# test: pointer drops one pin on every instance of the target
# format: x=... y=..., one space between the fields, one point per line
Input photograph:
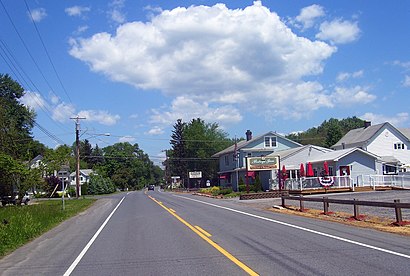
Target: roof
x=85 y=172
x=405 y=132
x=283 y=154
x=360 y=136
x=243 y=143
x=336 y=155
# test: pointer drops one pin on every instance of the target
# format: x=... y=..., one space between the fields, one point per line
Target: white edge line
x=302 y=228
x=81 y=255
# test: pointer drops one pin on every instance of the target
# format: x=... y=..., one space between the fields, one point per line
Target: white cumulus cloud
x=33 y=100
x=352 y=95
x=339 y=31
x=343 y=76
x=309 y=14
x=37 y=14
x=220 y=60
x=102 y=117
x=77 y=10
x=126 y=138
x=406 y=82
x=156 y=130
x=397 y=120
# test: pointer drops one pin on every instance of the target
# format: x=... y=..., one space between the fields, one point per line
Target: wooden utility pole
x=77 y=147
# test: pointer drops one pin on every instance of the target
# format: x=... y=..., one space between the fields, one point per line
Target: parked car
x=12 y=199
x=151 y=187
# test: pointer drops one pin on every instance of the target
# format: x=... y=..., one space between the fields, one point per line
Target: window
x=226 y=160
x=398 y=146
x=270 y=141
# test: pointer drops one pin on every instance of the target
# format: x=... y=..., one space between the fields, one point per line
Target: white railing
x=400 y=181
x=315 y=183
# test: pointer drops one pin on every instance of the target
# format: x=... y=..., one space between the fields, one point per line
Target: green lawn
x=20 y=224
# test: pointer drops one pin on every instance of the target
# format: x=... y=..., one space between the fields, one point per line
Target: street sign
x=208 y=183
x=197 y=174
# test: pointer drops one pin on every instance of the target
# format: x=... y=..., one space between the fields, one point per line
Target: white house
x=384 y=140
x=84 y=177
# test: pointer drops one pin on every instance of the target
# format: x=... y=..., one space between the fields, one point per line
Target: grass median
x=20 y=224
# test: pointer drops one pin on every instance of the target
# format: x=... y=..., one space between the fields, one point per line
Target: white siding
x=383 y=145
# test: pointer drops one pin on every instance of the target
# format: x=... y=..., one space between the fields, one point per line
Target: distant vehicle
x=151 y=187
x=13 y=199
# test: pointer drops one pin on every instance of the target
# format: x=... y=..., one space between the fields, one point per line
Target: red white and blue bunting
x=326 y=181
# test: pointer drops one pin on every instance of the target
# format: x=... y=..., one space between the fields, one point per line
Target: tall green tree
x=177 y=155
x=16 y=120
x=199 y=141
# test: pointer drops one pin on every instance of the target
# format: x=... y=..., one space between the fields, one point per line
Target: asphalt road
x=179 y=234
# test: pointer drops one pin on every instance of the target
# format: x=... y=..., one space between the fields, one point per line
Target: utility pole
x=77 y=147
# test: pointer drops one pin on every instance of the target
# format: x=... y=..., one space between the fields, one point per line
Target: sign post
x=62 y=175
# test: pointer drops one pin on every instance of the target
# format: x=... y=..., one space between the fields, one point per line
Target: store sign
x=195 y=174
x=262 y=163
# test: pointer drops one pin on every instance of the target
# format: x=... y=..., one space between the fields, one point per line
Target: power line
x=45 y=49
x=26 y=47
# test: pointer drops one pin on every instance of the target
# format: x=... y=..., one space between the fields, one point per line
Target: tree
x=193 y=145
x=54 y=159
x=127 y=166
x=16 y=120
x=328 y=133
x=177 y=155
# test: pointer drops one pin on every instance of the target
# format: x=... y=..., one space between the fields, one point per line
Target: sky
x=132 y=68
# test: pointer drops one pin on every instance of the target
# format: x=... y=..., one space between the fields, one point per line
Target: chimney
x=248 y=135
x=367 y=124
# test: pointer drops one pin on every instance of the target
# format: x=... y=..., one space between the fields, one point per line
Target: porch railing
x=374 y=181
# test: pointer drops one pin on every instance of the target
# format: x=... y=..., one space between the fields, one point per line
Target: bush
x=242 y=188
x=225 y=191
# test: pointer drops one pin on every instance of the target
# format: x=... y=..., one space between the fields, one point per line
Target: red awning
x=250 y=174
x=224 y=175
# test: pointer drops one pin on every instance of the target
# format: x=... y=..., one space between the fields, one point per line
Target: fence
x=397 y=205
x=309 y=183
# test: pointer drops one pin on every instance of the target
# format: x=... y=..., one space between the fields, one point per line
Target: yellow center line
x=208 y=240
x=203 y=231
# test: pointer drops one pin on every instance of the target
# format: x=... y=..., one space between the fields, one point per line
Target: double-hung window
x=270 y=141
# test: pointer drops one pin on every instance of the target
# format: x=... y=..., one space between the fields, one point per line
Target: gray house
x=232 y=160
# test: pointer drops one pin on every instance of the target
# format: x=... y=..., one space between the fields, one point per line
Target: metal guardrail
x=397 y=205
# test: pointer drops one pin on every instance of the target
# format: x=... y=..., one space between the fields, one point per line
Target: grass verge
x=20 y=224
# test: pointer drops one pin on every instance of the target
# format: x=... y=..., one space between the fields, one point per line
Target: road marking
x=79 y=257
x=302 y=228
x=203 y=231
x=172 y=210
x=208 y=240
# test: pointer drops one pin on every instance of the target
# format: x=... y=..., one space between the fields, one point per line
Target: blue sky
x=132 y=68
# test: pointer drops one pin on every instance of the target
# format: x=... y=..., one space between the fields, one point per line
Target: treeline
x=118 y=166
x=328 y=133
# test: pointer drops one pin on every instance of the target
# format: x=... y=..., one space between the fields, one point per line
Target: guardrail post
x=399 y=218
x=283 y=201
x=355 y=210
x=325 y=206
x=301 y=204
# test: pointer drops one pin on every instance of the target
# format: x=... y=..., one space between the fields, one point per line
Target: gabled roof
x=243 y=143
x=283 y=154
x=336 y=155
x=85 y=172
x=360 y=136
x=405 y=132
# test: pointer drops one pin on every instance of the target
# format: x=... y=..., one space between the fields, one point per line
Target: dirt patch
x=364 y=221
